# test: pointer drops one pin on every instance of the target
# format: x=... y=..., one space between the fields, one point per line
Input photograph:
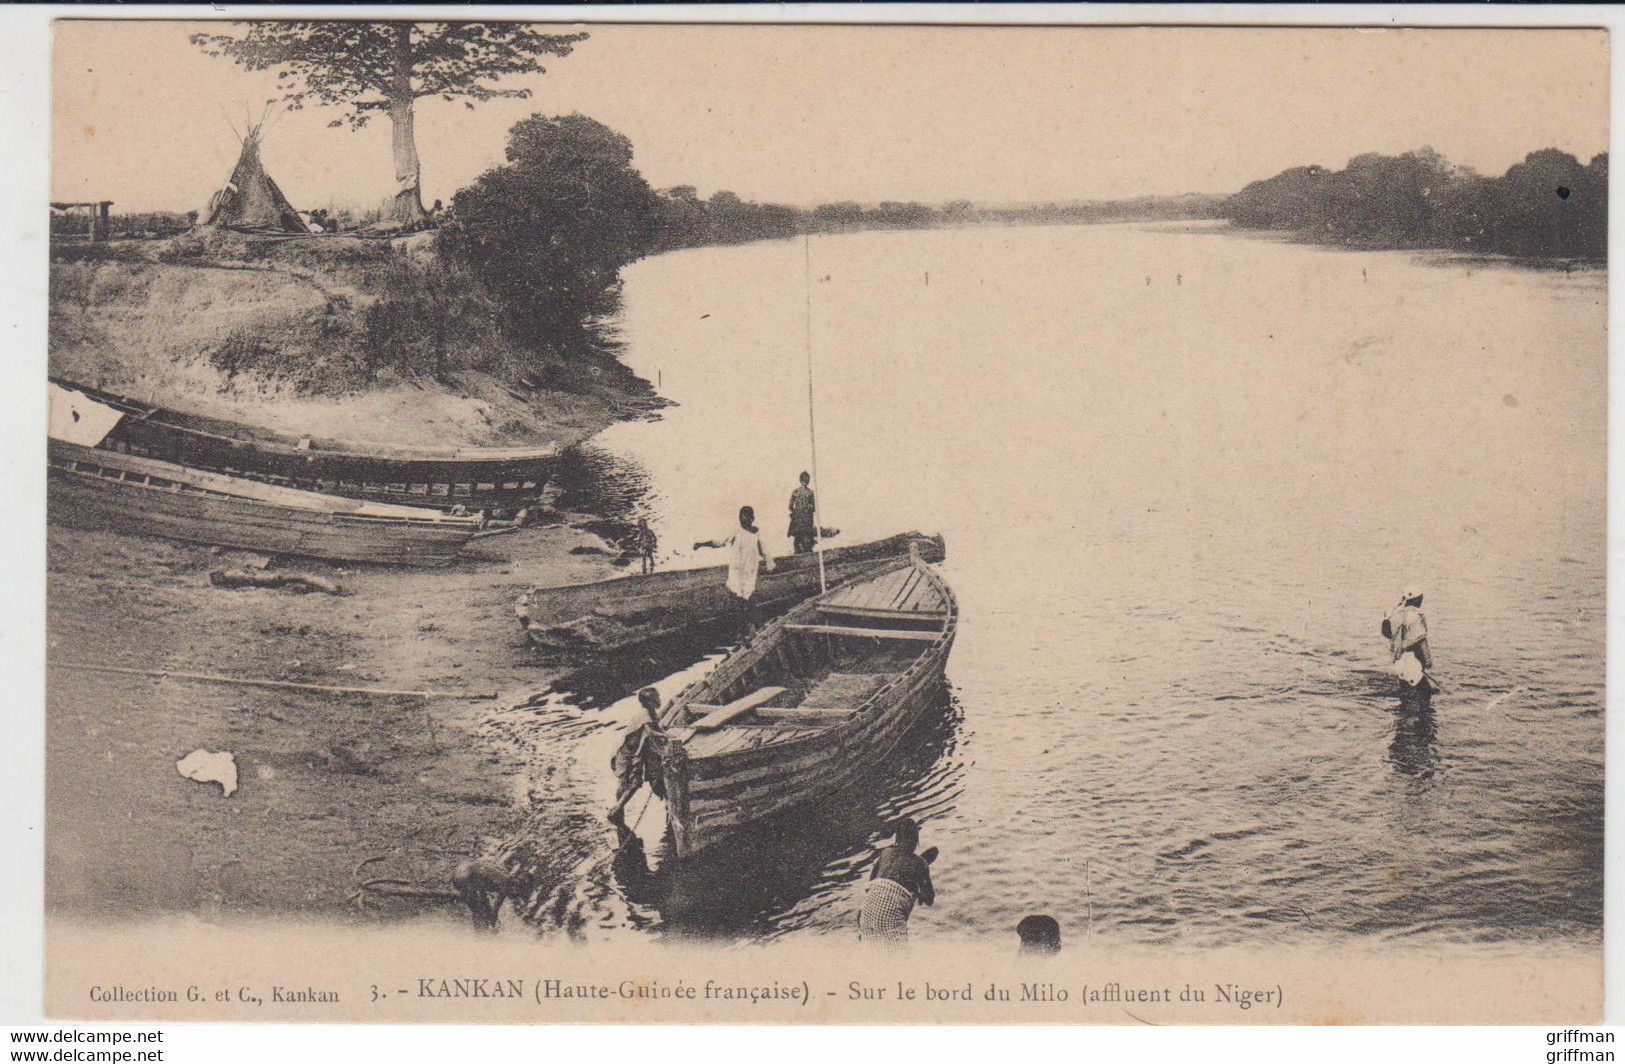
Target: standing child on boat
x=803 y=510
x=900 y=878
x=746 y=557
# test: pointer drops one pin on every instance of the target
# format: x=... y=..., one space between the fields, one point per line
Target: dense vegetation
x=1548 y=206
x=548 y=232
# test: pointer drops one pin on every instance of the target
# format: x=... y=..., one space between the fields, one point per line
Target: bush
x=1549 y=205
x=548 y=233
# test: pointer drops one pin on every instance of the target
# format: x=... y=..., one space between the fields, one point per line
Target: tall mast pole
x=812 y=423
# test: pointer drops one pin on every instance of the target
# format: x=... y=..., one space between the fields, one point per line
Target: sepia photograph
x=800 y=523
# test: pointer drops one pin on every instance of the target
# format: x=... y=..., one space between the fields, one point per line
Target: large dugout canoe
x=814 y=701
x=100 y=489
x=613 y=615
x=471 y=477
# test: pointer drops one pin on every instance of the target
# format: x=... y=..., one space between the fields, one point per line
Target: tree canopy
x=384 y=67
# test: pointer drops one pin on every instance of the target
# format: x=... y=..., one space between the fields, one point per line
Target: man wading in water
x=746 y=555
x=900 y=877
x=803 y=506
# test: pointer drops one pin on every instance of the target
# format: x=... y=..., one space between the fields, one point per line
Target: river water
x=1183 y=474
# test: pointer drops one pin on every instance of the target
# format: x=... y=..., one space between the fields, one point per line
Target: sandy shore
x=326 y=781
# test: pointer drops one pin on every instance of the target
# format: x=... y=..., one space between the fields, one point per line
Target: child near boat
x=900 y=878
x=644 y=542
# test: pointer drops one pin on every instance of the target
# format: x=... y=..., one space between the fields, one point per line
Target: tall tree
x=386 y=67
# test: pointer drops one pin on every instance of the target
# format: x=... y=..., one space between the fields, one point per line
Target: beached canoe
x=90 y=487
x=612 y=615
x=815 y=700
x=471 y=477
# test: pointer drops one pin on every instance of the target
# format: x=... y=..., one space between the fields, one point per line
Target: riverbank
x=352 y=338
x=361 y=339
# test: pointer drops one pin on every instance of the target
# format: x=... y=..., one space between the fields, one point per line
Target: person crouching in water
x=746 y=557
x=900 y=878
x=1407 y=631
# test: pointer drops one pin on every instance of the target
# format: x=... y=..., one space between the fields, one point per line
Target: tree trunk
x=408 y=203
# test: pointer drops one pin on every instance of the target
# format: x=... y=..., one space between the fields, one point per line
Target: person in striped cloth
x=900 y=878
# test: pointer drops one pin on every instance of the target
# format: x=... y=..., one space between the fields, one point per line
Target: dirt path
x=324 y=780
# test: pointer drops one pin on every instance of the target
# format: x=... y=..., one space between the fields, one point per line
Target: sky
x=805 y=115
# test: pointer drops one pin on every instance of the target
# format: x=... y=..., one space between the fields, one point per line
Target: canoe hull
x=711 y=798
x=87 y=499
x=614 y=615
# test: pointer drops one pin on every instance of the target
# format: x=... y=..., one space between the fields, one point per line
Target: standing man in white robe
x=746 y=557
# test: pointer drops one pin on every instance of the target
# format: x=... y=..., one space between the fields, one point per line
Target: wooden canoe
x=815 y=700
x=613 y=615
x=95 y=488
x=471 y=477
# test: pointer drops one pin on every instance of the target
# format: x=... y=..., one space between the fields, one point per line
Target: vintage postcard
x=754 y=523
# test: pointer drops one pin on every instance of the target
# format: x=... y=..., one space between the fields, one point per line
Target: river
x=1183 y=473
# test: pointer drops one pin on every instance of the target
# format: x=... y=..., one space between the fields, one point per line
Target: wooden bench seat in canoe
x=717 y=716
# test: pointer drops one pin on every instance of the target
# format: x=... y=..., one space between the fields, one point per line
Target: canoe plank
x=807 y=713
x=841 y=689
x=905 y=591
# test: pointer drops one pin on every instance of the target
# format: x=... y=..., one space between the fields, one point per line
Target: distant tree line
x=688 y=221
x=1548 y=206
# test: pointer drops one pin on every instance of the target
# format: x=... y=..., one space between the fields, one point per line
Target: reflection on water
x=1175 y=515
x=1413 y=752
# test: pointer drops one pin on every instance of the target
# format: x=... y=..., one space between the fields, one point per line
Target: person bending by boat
x=803 y=507
x=484 y=885
x=746 y=557
x=1040 y=935
x=628 y=763
x=1407 y=631
x=899 y=879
